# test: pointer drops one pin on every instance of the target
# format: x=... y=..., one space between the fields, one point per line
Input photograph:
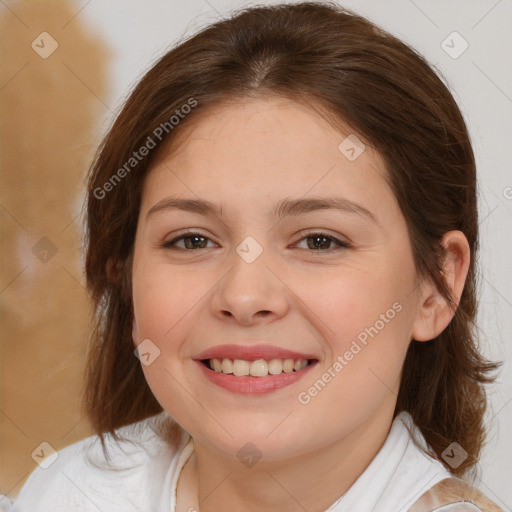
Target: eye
x=322 y=242
x=317 y=242
x=191 y=241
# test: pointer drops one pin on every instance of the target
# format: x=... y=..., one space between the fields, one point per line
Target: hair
x=327 y=56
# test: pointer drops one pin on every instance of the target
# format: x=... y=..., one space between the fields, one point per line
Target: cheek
x=163 y=299
x=365 y=321
x=352 y=302
x=164 y=313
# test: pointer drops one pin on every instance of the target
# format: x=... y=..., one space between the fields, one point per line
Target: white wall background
x=481 y=78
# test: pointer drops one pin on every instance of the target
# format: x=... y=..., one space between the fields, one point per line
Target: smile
x=253 y=369
x=257 y=368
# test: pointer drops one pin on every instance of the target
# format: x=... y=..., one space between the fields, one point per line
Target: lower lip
x=253 y=385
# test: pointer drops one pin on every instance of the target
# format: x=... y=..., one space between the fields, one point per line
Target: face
x=288 y=248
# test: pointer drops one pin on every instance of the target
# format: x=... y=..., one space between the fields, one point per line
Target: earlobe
x=434 y=311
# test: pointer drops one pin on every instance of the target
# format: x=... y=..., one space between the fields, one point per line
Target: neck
x=213 y=482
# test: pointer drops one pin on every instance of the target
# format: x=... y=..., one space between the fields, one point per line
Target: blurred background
x=66 y=68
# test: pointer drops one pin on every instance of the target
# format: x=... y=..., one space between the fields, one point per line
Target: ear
x=434 y=312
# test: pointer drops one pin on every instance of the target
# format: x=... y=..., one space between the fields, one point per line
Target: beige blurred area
x=52 y=82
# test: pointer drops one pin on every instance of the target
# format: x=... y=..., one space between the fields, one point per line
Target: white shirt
x=144 y=473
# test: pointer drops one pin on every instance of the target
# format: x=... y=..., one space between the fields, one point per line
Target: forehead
x=276 y=127
x=267 y=149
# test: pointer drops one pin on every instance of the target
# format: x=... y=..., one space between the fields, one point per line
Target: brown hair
x=325 y=55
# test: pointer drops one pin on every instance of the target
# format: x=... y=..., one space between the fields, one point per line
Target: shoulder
x=419 y=481
x=454 y=495
x=445 y=493
x=131 y=473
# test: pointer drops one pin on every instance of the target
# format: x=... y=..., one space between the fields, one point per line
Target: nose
x=250 y=294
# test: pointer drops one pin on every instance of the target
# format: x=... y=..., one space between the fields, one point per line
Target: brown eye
x=322 y=242
x=191 y=241
x=319 y=242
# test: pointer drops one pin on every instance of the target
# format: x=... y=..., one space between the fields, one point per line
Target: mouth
x=257 y=368
x=254 y=369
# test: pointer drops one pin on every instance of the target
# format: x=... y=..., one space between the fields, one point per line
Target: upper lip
x=251 y=353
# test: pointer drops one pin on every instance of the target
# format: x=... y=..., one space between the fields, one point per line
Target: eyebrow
x=283 y=208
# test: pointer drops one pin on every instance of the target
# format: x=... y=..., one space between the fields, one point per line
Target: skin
x=247 y=157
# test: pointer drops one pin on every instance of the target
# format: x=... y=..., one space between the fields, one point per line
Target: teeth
x=226 y=366
x=240 y=368
x=275 y=366
x=217 y=365
x=288 y=365
x=258 y=368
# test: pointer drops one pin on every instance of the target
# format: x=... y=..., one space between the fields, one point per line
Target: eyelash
x=340 y=243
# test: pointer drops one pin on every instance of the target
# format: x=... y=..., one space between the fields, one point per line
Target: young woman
x=282 y=231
